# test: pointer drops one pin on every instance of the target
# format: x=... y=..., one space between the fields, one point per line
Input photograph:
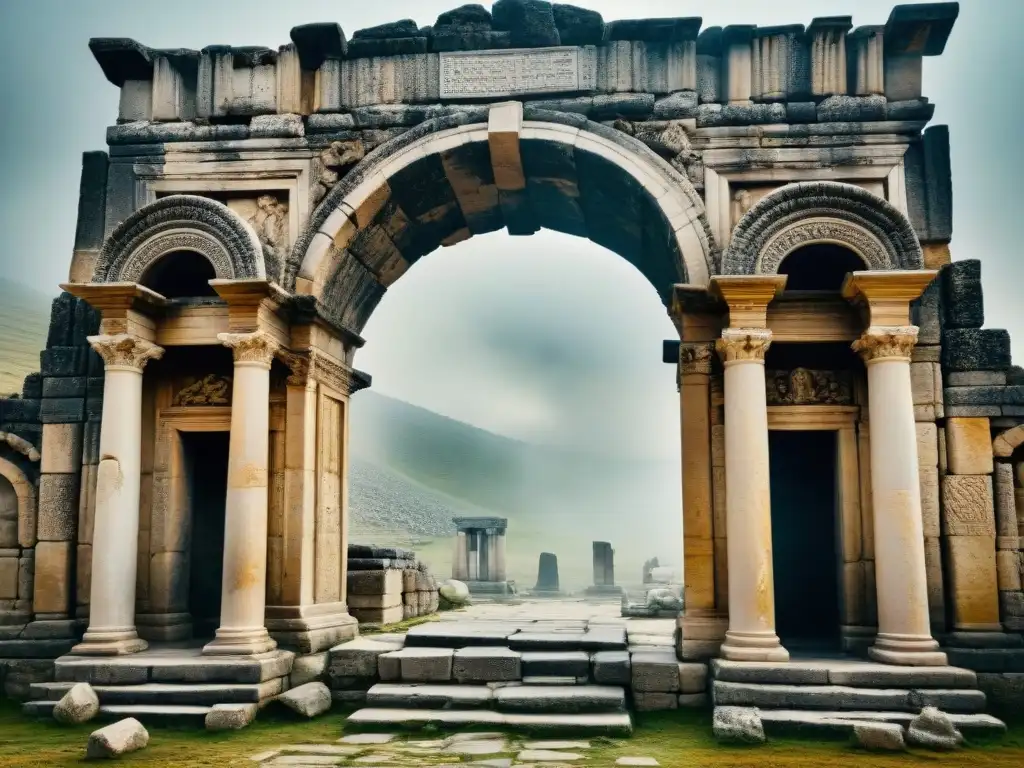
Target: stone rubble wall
x=386 y=585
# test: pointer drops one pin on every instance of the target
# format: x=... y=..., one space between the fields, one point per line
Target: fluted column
x=904 y=630
x=751 y=635
x=243 y=589
x=116 y=523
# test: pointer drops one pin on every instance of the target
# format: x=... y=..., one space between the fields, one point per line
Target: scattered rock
x=531 y=22
x=738 y=725
x=117 y=739
x=306 y=669
x=229 y=717
x=933 y=729
x=78 y=705
x=308 y=700
x=880 y=737
x=455 y=592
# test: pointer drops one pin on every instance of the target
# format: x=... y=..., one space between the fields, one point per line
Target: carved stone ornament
x=211 y=389
x=257 y=347
x=125 y=351
x=695 y=358
x=881 y=342
x=743 y=344
x=802 y=386
x=334 y=162
x=270 y=221
x=21 y=445
x=315 y=365
x=822 y=230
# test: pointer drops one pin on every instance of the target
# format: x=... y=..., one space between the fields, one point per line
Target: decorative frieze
x=257 y=348
x=502 y=73
x=886 y=342
x=211 y=389
x=125 y=351
x=743 y=345
x=802 y=386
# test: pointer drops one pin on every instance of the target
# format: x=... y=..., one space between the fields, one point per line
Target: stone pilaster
x=866 y=60
x=1009 y=562
x=827 y=41
x=116 y=524
x=737 y=67
x=243 y=590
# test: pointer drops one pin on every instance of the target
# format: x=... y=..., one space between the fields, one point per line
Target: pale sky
x=547 y=338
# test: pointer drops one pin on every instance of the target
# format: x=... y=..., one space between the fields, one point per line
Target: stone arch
x=450 y=178
x=806 y=213
x=1007 y=442
x=181 y=223
x=25 y=492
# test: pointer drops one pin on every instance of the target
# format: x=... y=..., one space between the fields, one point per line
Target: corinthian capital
x=125 y=351
x=256 y=347
x=881 y=342
x=695 y=358
x=743 y=344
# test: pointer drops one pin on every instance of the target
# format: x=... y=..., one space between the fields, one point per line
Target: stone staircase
x=566 y=678
x=167 y=684
x=832 y=694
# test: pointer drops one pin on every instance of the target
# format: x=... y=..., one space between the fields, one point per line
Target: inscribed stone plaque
x=490 y=74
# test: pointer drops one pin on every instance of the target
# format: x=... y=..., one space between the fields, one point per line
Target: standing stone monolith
x=547 y=573
x=604 y=570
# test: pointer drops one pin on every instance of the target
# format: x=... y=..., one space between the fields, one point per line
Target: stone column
x=500 y=573
x=116 y=523
x=243 y=590
x=751 y=635
x=904 y=630
x=460 y=566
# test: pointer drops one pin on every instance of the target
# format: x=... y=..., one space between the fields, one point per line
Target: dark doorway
x=804 y=542
x=206 y=460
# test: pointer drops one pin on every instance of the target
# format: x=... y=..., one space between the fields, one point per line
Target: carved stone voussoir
x=743 y=344
x=125 y=351
x=881 y=342
x=256 y=347
x=695 y=358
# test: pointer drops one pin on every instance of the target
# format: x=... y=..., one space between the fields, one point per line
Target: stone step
x=554 y=680
x=199 y=694
x=786 y=722
x=602 y=724
x=556 y=663
x=600 y=639
x=852 y=672
x=164 y=714
x=563 y=699
x=172 y=666
x=440 y=696
x=843 y=697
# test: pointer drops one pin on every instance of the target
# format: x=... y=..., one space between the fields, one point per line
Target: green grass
x=677 y=739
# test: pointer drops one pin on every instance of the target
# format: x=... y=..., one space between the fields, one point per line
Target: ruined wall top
x=737 y=75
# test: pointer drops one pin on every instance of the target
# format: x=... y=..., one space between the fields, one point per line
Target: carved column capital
x=125 y=352
x=299 y=364
x=313 y=365
x=743 y=345
x=257 y=347
x=696 y=358
x=886 y=342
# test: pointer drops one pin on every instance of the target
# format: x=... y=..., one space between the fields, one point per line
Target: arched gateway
x=779 y=189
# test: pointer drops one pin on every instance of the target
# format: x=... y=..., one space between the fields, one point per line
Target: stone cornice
x=125 y=352
x=886 y=343
x=314 y=365
x=741 y=345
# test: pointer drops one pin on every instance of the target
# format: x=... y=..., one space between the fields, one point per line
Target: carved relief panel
x=802 y=386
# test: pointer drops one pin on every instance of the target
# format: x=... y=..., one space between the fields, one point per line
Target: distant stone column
x=500 y=571
x=460 y=558
x=547 y=572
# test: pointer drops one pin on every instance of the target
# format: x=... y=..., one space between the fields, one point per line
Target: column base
x=240 y=642
x=907 y=651
x=308 y=628
x=164 y=627
x=753 y=646
x=700 y=637
x=109 y=642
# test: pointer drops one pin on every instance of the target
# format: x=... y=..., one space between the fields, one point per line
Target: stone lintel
x=823 y=24
x=748 y=297
x=247 y=299
x=119 y=305
x=920 y=29
x=888 y=293
x=122 y=58
x=479 y=523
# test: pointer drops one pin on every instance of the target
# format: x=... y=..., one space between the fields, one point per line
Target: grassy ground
x=676 y=739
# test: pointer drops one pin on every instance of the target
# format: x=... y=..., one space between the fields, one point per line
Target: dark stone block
x=670 y=351
x=402 y=28
x=94 y=365
x=717 y=115
x=31 y=432
x=622 y=105
x=62 y=361
x=87 y=323
x=94 y=386
x=32 y=387
x=378 y=564
x=121 y=176
x=531 y=22
x=939 y=190
x=92 y=201
x=914 y=109
x=679 y=105
x=62 y=321
x=975 y=349
x=851 y=109
x=926 y=314
x=709 y=42
x=122 y=58
x=64 y=386
x=60 y=410
x=654 y=30
x=973 y=411
x=974 y=395
x=317 y=42
x=578 y=26
x=547 y=573
x=393 y=46
x=1015 y=375
x=962 y=298
x=365 y=551
x=19 y=410
x=801 y=112
x=916 y=186
x=920 y=29
x=469 y=41
x=465 y=18
x=93 y=408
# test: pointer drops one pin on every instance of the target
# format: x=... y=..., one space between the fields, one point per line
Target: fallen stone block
x=934 y=730
x=229 y=717
x=117 y=739
x=306 y=669
x=738 y=725
x=308 y=700
x=357 y=658
x=78 y=705
x=880 y=737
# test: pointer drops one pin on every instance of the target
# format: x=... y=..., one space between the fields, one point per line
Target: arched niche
x=819 y=267
x=16 y=489
x=180 y=274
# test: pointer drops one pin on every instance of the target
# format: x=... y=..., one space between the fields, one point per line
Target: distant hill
x=24 y=320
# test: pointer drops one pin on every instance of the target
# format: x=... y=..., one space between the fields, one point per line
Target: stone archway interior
x=180 y=274
x=819 y=267
x=8 y=514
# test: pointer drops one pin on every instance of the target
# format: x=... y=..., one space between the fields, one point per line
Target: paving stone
x=262 y=756
x=547 y=756
x=639 y=761
x=486 y=665
x=477 y=747
x=367 y=738
x=455 y=738
x=357 y=658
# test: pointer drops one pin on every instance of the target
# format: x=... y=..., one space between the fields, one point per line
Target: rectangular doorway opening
x=206 y=463
x=805 y=544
